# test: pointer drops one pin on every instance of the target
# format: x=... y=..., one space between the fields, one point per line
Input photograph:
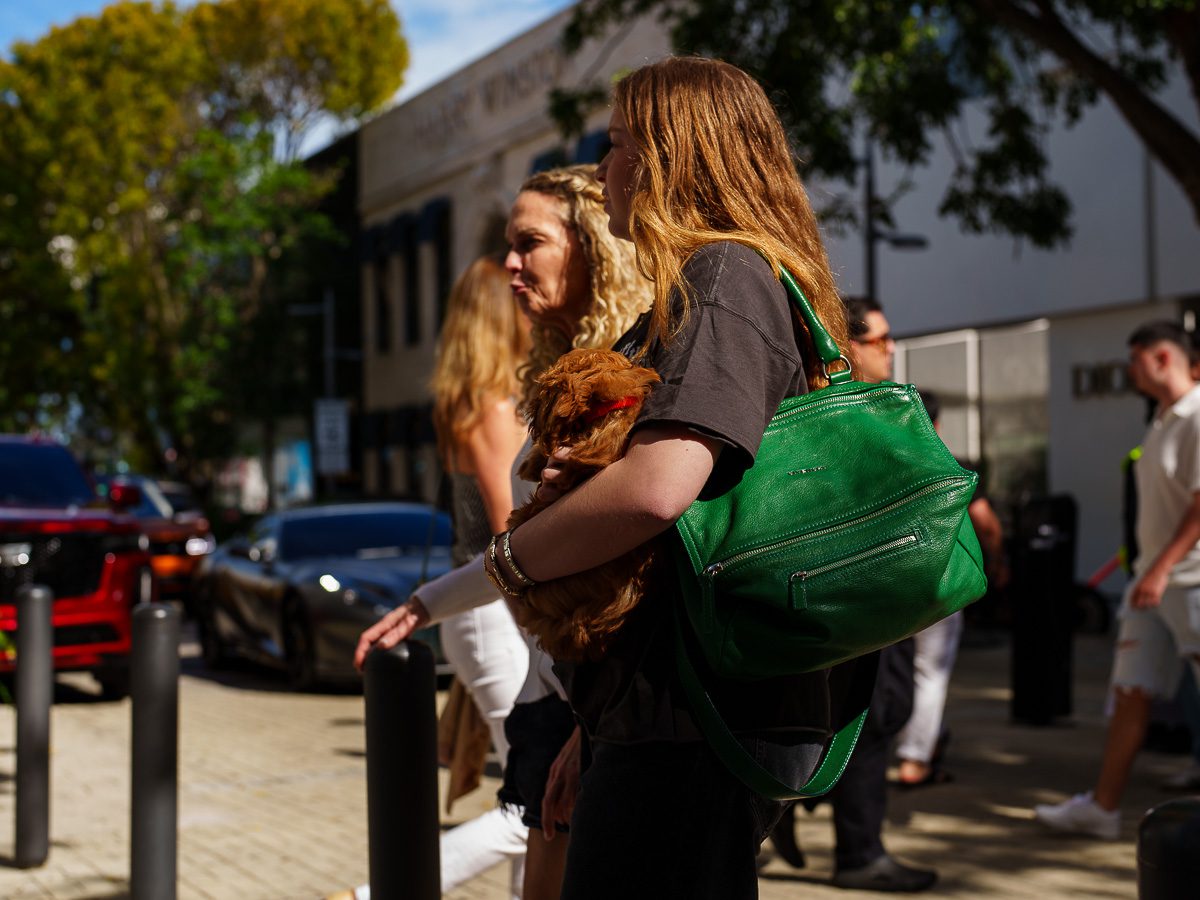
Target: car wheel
x=300 y=652
x=114 y=683
x=212 y=648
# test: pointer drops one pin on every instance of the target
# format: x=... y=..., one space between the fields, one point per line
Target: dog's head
x=582 y=388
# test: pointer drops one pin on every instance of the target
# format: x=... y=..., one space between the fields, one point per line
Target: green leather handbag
x=849 y=533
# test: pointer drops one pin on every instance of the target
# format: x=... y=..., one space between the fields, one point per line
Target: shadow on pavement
x=242 y=674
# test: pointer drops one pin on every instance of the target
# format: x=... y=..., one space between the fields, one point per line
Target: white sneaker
x=1185 y=780
x=1080 y=815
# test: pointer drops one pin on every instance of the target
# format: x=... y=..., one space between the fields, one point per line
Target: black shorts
x=536 y=733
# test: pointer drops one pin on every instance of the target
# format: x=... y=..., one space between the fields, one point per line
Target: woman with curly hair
x=701 y=180
x=580 y=287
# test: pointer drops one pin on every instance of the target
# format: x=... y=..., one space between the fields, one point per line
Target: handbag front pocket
x=799 y=582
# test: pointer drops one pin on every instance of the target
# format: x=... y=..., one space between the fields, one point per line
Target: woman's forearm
x=623 y=506
x=459 y=590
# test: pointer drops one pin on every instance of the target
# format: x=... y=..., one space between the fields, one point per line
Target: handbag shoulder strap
x=827 y=348
x=737 y=758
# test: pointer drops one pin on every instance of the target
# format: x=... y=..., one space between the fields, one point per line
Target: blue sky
x=443 y=35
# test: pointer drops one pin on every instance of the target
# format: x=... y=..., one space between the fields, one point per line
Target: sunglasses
x=878 y=342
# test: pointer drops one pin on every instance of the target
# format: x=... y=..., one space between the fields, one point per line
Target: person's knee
x=1132 y=694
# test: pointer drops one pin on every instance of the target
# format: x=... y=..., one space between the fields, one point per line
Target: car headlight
x=199 y=546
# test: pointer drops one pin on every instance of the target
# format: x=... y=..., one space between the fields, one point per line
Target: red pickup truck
x=94 y=560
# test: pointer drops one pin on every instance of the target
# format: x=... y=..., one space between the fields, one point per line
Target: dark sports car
x=300 y=587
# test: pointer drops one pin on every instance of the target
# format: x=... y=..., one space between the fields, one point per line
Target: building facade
x=1025 y=346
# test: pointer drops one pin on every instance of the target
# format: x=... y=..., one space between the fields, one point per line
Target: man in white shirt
x=1160 y=616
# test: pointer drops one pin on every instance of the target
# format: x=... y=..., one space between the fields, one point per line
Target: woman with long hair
x=475 y=386
x=580 y=287
x=484 y=340
x=701 y=180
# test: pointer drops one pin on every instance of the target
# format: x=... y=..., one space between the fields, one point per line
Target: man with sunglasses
x=874 y=350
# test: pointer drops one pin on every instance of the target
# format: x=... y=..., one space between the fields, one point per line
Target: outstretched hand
x=393 y=628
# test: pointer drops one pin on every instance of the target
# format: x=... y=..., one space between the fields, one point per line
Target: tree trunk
x=1167 y=139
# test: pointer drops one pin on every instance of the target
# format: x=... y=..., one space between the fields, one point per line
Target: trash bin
x=1043 y=582
x=1168 y=865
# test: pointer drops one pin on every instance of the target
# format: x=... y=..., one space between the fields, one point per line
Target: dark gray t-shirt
x=723 y=375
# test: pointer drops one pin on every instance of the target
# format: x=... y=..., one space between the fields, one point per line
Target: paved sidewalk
x=272 y=796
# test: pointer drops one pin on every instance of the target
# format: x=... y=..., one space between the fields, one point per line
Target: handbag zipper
x=845 y=398
x=857 y=557
x=716 y=568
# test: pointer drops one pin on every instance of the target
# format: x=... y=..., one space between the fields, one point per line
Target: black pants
x=667 y=821
x=860 y=797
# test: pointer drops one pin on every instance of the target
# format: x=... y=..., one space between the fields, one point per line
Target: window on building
x=551 y=159
x=592 y=147
x=410 y=250
x=383 y=306
x=436 y=227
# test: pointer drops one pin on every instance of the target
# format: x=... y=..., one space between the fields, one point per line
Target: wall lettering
x=1104 y=379
x=496 y=93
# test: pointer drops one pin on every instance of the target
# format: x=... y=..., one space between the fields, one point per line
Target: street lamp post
x=871 y=234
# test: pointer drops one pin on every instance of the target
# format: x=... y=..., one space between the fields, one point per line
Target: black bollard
x=1042 y=626
x=35 y=692
x=155 y=766
x=402 y=790
x=1168 y=840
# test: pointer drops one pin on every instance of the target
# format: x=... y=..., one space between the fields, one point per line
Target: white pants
x=491 y=660
x=935 y=652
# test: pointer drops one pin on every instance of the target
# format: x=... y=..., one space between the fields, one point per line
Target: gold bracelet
x=494 y=575
x=525 y=580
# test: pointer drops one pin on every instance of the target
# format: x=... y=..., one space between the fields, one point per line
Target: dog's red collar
x=603 y=409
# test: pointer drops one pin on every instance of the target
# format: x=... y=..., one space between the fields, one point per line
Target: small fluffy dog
x=588 y=400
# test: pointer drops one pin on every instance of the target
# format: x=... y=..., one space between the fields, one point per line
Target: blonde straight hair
x=715 y=165
x=620 y=293
x=483 y=342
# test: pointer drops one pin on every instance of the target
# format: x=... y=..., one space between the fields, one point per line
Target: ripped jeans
x=1153 y=644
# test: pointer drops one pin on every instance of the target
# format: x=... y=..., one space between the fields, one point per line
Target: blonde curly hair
x=620 y=293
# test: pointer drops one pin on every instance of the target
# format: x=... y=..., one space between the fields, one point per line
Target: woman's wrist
x=503 y=569
x=510 y=562
x=418 y=611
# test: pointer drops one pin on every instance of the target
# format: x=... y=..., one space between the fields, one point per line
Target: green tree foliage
x=285 y=64
x=905 y=73
x=148 y=187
